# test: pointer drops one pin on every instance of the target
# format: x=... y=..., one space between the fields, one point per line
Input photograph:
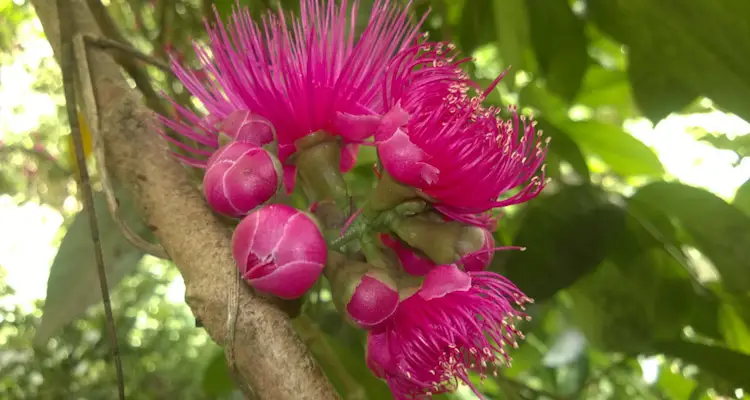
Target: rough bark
x=271 y=360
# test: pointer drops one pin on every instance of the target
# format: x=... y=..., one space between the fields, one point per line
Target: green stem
x=372 y=253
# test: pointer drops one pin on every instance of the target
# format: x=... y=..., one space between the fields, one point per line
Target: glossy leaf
x=567 y=235
x=216 y=379
x=721 y=361
x=512 y=28
x=719 y=230
x=73 y=284
x=477 y=25
x=625 y=154
x=693 y=43
x=564 y=149
x=742 y=198
x=658 y=93
x=560 y=45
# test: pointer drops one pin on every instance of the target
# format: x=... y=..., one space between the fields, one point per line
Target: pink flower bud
x=279 y=250
x=373 y=301
x=240 y=177
x=476 y=260
x=413 y=263
x=244 y=126
x=367 y=295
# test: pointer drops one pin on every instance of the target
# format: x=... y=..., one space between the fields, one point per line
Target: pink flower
x=279 y=250
x=443 y=142
x=308 y=74
x=457 y=322
x=240 y=177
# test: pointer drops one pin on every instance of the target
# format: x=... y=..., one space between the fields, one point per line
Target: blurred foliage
x=617 y=256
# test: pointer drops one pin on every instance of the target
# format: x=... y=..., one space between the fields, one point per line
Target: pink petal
x=355 y=128
x=404 y=160
x=443 y=280
x=348 y=157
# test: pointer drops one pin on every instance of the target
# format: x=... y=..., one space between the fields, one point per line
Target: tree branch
x=272 y=361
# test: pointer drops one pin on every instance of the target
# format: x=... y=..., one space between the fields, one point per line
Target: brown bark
x=270 y=357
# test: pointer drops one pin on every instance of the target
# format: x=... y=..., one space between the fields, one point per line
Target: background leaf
x=575 y=226
x=73 y=284
x=560 y=45
x=708 y=220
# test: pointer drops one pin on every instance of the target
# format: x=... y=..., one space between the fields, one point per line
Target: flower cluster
x=288 y=103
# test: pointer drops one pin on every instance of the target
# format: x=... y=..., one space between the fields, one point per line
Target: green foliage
x=610 y=246
x=73 y=283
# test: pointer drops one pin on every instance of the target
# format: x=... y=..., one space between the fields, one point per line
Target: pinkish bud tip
x=480 y=259
x=411 y=262
x=244 y=126
x=279 y=250
x=372 y=302
x=240 y=177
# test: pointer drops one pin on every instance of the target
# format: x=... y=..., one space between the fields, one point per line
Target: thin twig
x=111 y=44
x=109 y=29
x=67 y=64
x=91 y=115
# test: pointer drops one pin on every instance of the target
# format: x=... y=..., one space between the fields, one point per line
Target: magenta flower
x=457 y=322
x=308 y=74
x=279 y=250
x=240 y=177
x=440 y=140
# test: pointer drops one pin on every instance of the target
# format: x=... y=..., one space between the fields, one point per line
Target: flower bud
x=246 y=127
x=240 y=177
x=411 y=262
x=279 y=250
x=475 y=245
x=365 y=293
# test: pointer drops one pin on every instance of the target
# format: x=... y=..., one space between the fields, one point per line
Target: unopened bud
x=475 y=247
x=366 y=294
x=279 y=250
x=240 y=177
x=246 y=127
x=411 y=262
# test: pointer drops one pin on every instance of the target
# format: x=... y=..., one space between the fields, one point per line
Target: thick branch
x=270 y=357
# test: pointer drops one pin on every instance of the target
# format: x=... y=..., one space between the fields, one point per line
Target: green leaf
x=625 y=154
x=717 y=229
x=720 y=361
x=560 y=45
x=742 y=198
x=567 y=235
x=657 y=92
x=512 y=35
x=605 y=88
x=564 y=149
x=73 y=284
x=674 y=384
x=740 y=145
x=695 y=43
x=477 y=26
x=736 y=333
x=216 y=379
